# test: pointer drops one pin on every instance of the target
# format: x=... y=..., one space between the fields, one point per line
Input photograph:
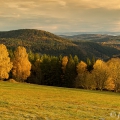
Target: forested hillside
x=99 y=51
x=39 y=41
x=63 y=71
x=104 y=40
x=43 y=42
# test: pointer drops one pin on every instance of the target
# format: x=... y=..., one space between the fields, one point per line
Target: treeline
x=69 y=71
x=63 y=71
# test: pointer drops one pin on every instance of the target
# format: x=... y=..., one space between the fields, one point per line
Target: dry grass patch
x=12 y=81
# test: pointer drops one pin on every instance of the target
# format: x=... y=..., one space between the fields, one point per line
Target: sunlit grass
x=33 y=102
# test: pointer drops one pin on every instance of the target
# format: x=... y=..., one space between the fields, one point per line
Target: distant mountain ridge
x=80 y=33
x=93 y=37
x=44 y=42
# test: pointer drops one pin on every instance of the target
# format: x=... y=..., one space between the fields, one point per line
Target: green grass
x=33 y=102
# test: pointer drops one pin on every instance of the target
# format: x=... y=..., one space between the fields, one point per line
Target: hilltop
x=38 y=41
x=30 y=35
x=44 y=42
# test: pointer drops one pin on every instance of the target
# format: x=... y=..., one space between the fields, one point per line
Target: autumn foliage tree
x=100 y=74
x=81 y=70
x=64 y=63
x=5 y=64
x=109 y=85
x=114 y=66
x=21 y=65
x=64 y=71
x=84 y=78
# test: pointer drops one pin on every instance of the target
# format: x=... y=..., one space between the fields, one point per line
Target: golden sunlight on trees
x=100 y=74
x=89 y=81
x=64 y=63
x=84 y=78
x=109 y=85
x=82 y=71
x=5 y=64
x=21 y=65
x=114 y=66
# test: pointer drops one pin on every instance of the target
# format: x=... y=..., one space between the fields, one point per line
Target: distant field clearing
x=33 y=102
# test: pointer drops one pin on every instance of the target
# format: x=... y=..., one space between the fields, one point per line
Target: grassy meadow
x=20 y=101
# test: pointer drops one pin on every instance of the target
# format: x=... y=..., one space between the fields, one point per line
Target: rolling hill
x=43 y=42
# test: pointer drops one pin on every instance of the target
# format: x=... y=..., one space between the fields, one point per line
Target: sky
x=60 y=15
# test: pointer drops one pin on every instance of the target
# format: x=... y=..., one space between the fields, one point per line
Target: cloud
x=63 y=3
x=91 y=4
x=60 y=15
x=18 y=5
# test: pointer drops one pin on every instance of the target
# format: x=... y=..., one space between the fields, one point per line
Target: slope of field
x=32 y=102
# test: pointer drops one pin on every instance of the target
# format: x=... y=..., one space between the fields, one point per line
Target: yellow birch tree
x=100 y=74
x=114 y=67
x=81 y=70
x=21 y=65
x=64 y=63
x=5 y=64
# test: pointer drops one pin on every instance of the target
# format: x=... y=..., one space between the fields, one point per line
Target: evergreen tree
x=55 y=71
x=45 y=69
x=11 y=54
x=76 y=60
x=70 y=73
x=31 y=56
x=36 y=75
x=90 y=64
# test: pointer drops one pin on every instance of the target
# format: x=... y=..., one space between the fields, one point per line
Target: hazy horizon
x=71 y=33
